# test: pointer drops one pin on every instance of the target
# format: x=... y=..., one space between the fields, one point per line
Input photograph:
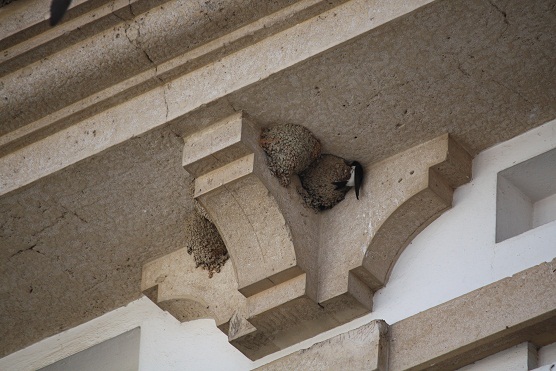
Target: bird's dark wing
x=57 y=10
x=340 y=185
x=358 y=177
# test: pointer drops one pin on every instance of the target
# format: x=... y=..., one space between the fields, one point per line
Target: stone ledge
x=116 y=112
x=365 y=348
x=473 y=326
x=109 y=34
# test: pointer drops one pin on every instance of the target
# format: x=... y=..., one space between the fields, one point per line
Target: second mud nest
x=318 y=192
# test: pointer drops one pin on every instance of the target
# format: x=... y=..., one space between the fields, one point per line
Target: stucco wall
x=456 y=254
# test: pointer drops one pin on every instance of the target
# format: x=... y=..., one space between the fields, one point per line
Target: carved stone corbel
x=401 y=195
x=294 y=273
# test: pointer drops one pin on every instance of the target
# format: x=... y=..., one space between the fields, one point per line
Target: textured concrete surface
x=455 y=66
x=185 y=83
x=73 y=244
x=522 y=357
x=139 y=45
x=503 y=314
x=478 y=70
x=127 y=48
x=365 y=348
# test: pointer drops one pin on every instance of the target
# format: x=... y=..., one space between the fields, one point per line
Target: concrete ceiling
x=72 y=244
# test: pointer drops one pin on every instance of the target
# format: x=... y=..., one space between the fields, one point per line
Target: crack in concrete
x=164 y=95
x=504 y=14
x=76 y=215
x=231 y=104
x=463 y=70
x=127 y=26
x=136 y=44
x=508 y=88
x=31 y=248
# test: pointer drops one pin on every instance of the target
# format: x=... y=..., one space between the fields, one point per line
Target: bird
x=355 y=179
x=57 y=10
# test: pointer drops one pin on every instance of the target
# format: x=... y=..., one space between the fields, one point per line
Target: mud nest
x=318 y=192
x=5 y=2
x=290 y=149
x=205 y=243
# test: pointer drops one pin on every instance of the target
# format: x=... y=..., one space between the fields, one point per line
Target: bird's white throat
x=351 y=181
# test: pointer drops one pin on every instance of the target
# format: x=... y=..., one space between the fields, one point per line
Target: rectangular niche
x=526 y=196
x=120 y=353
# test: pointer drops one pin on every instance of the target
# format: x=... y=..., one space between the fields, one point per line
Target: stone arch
x=446 y=166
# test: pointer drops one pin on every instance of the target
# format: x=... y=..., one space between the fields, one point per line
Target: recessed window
x=526 y=196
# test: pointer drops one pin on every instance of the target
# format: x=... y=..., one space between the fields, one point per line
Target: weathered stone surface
x=72 y=246
x=124 y=45
x=495 y=317
x=105 y=109
x=480 y=72
x=365 y=348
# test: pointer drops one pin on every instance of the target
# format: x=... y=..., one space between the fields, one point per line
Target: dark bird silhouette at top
x=57 y=10
x=355 y=179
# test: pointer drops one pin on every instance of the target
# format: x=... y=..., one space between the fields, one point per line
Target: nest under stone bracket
x=204 y=242
x=318 y=192
x=290 y=149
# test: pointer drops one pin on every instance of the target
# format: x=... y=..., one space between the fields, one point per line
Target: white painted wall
x=517 y=358
x=121 y=353
x=165 y=343
x=547 y=356
x=456 y=254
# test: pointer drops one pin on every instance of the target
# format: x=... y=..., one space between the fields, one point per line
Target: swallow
x=355 y=179
x=57 y=10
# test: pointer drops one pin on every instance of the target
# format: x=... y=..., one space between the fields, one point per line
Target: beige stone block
x=226 y=174
x=217 y=145
x=187 y=292
x=365 y=348
x=473 y=326
x=400 y=196
x=295 y=321
x=253 y=229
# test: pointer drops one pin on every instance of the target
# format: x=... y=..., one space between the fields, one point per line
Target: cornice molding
x=66 y=97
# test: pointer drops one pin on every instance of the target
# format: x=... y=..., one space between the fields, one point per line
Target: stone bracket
x=430 y=200
x=401 y=196
x=294 y=273
x=224 y=158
